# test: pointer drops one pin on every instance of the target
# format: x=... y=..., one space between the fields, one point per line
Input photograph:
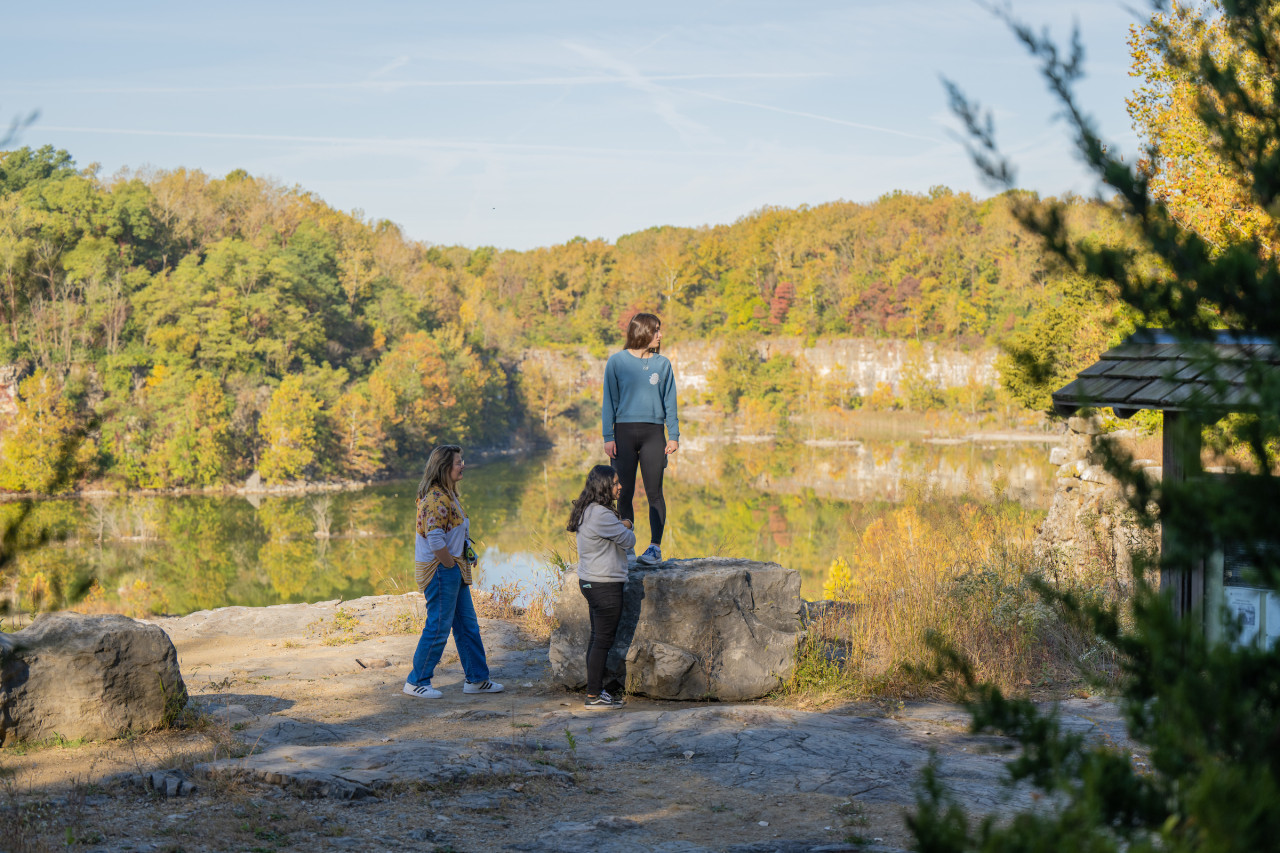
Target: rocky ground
x=299 y=738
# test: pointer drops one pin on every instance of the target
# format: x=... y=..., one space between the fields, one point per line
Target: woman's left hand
x=672 y=446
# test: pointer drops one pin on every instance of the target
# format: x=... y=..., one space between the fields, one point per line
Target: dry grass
x=342 y=628
x=499 y=600
x=965 y=573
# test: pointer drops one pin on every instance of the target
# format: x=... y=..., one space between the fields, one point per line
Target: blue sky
x=519 y=124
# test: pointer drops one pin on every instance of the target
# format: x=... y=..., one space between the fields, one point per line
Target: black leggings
x=604 y=603
x=645 y=444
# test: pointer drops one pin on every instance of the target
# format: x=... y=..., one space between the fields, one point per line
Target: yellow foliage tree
x=1205 y=192
x=361 y=435
x=288 y=428
x=41 y=434
x=840 y=584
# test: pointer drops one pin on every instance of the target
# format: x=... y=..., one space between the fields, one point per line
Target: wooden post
x=1181 y=462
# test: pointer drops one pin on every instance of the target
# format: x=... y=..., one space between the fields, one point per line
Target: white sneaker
x=482 y=687
x=651 y=556
x=424 y=691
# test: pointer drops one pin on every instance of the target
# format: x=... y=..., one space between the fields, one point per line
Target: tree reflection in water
x=799 y=505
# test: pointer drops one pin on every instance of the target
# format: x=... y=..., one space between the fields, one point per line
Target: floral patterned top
x=437 y=511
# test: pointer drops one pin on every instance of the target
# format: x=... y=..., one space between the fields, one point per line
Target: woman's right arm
x=603 y=523
x=436 y=542
x=609 y=526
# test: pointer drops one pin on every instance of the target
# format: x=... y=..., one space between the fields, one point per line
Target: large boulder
x=710 y=628
x=90 y=677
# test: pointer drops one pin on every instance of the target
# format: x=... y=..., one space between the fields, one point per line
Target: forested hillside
x=208 y=327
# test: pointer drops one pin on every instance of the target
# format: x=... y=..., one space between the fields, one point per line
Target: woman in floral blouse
x=443 y=560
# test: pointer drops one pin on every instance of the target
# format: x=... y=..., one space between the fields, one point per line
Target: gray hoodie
x=603 y=541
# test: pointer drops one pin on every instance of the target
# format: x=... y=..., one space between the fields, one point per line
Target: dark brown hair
x=598 y=490
x=641 y=329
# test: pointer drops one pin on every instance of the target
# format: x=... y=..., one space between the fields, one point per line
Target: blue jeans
x=449 y=607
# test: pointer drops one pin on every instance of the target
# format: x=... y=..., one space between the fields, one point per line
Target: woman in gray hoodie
x=603 y=540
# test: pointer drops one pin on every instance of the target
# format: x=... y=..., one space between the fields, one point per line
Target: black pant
x=647 y=445
x=604 y=603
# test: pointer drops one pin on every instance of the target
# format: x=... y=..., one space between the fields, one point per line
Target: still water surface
x=797 y=504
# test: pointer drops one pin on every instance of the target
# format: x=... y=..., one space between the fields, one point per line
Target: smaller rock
x=231 y=714
x=1095 y=474
x=171 y=783
x=373 y=663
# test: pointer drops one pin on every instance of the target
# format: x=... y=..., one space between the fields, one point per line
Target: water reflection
x=801 y=505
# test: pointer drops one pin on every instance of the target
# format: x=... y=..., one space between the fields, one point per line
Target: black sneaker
x=603 y=702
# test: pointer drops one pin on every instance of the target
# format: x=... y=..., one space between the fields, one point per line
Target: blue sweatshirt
x=639 y=391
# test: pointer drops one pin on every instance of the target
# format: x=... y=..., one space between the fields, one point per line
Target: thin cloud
x=581 y=80
x=660 y=38
x=398 y=62
x=663 y=104
x=803 y=114
x=384 y=143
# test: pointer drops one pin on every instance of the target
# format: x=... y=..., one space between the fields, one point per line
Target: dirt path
x=303 y=740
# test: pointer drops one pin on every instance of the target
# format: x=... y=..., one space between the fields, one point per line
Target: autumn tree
x=42 y=432
x=1208 y=192
x=288 y=430
x=361 y=433
x=189 y=440
x=541 y=393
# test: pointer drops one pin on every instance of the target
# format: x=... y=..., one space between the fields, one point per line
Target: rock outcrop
x=708 y=628
x=91 y=677
x=1090 y=525
x=860 y=363
x=9 y=376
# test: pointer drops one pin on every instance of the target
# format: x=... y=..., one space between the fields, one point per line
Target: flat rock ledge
x=353 y=772
x=761 y=748
x=313 y=720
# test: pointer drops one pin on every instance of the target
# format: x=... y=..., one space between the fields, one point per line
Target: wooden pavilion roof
x=1153 y=369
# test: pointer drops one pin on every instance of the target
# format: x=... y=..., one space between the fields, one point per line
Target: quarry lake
x=800 y=504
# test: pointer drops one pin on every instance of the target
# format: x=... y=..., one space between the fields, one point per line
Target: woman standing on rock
x=442 y=561
x=603 y=540
x=639 y=397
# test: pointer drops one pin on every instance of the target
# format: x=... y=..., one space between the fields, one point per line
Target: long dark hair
x=598 y=490
x=641 y=329
x=438 y=468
